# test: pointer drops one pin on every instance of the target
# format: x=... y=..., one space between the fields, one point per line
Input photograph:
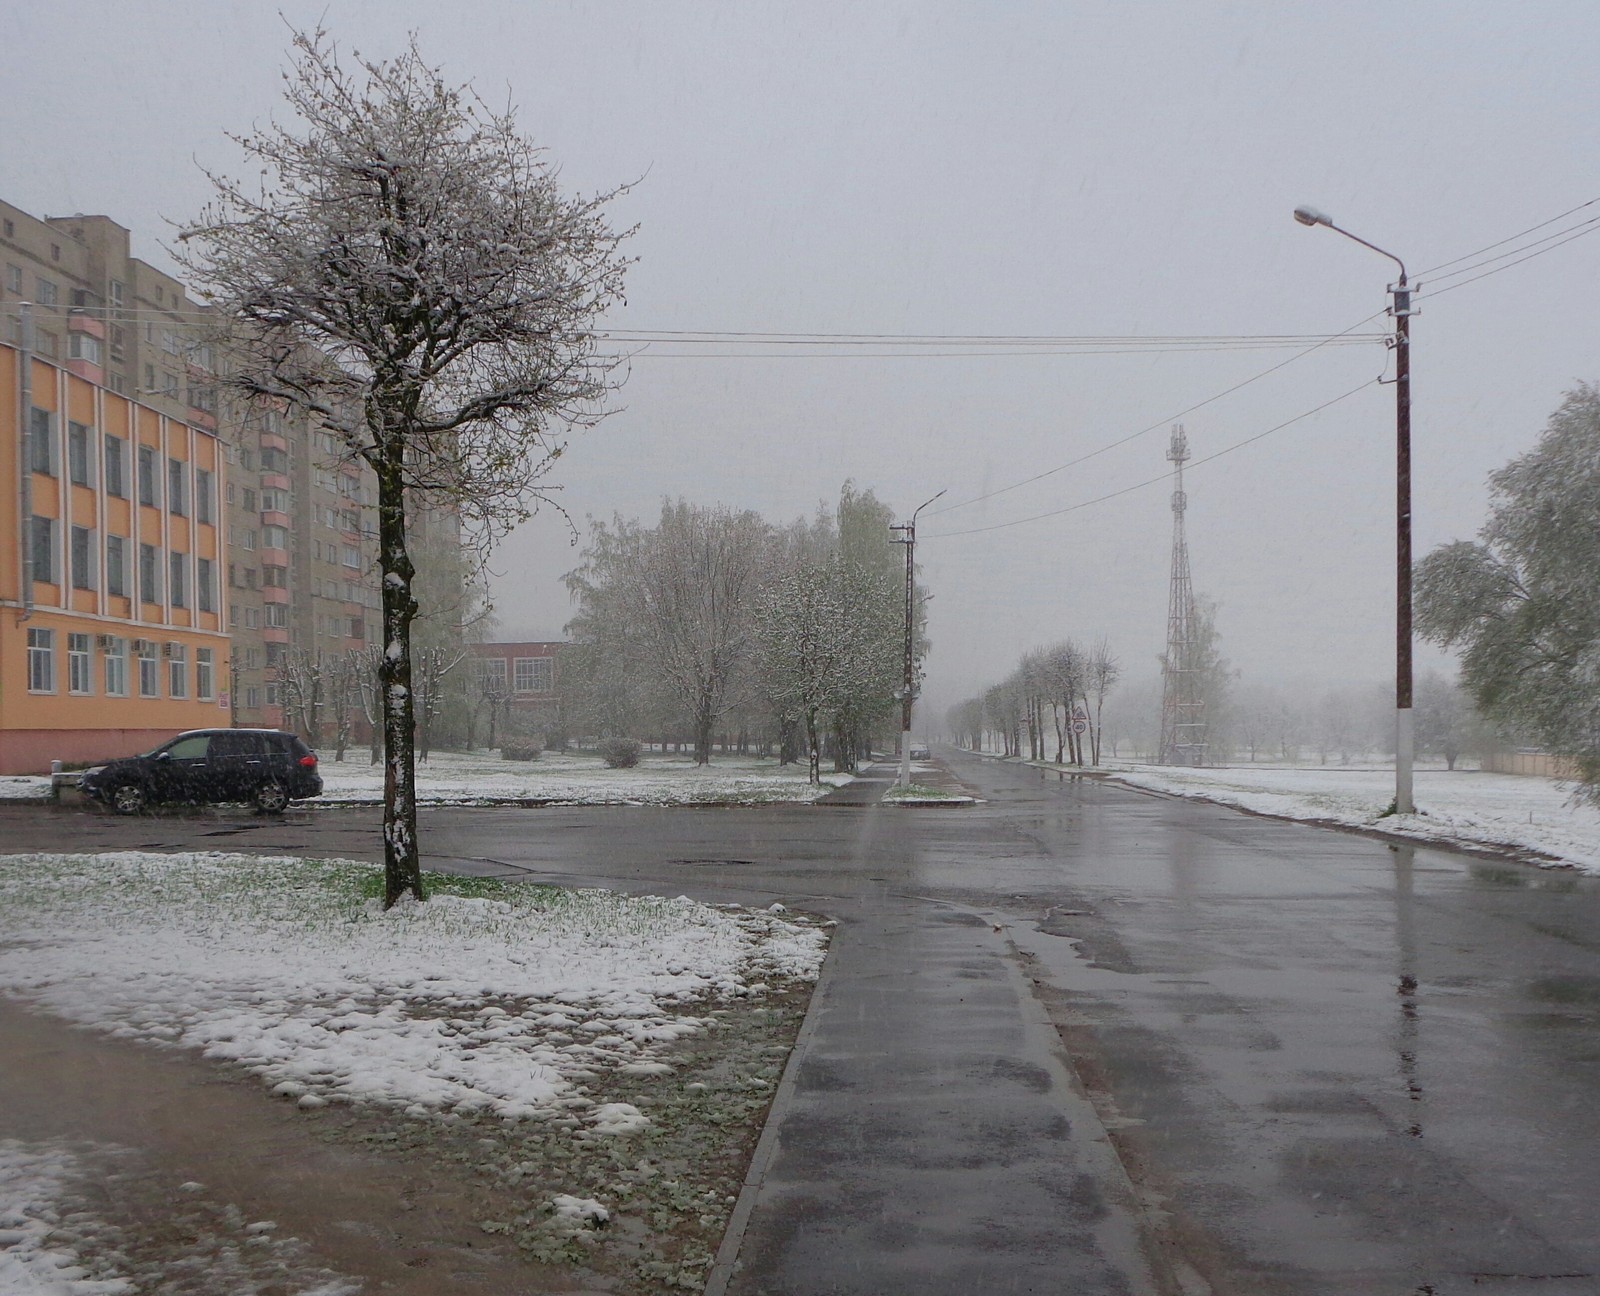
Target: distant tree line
x=718 y=628
x=1054 y=700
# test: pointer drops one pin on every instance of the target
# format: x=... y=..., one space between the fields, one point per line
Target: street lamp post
x=1404 y=733
x=908 y=689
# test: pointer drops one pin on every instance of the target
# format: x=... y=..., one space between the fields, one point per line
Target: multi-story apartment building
x=296 y=522
x=112 y=618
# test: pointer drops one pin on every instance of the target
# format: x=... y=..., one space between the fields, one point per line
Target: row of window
x=528 y=675
x=88 y=565
x=89 y=458
x=147 y=659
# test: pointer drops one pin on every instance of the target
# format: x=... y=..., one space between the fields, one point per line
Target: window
x=247 y=459
x=149 y=671
x=356 y=627
x=275 y=655
x=275 y=577
x=169 y=341
x=202 y=496
x=13 y=276
x=247 y=539
x=177 y=497
x=274 y=537
x=272 y=695
x=205 y=596
x=177 y=670
x=45 y=343
x=252 y=698
x=80 y=460
x=116 y=659
x=277 y=615
x=117 y=292
x=83 y=346
x=114 y=450
x=532 y=674
x=81 y=540
x=149 y=378
x=118 y=337
x=352 y=557
x=79 y=677
x=274 y=460
x=42 y=442
x=275 y=501
x=116 y=566
x=45 y=292
x=149 y=489
x=169 y=385
x=249 y=577
x=204 y=687
x=149 y=575
x=177 y=568
x=252 y=618
x=118 y=383
x=41 y=661
x=233 y=616
x=44 y=550
x=249 y=500
x=494 y=675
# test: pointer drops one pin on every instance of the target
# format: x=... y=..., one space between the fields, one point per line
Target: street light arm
x=1380 y=251
x=925 y=504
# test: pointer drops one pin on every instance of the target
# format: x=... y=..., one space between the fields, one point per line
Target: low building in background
x=516 y=688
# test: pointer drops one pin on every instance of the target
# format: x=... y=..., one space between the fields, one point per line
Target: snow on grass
x=1504 y=811
x=54 y=1240
x=33 y=1261
x=578 y=778
x=24 y=787
x=489 y=997
x=916 y=794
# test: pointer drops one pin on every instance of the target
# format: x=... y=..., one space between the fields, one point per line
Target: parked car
x=919 y=751
x=265 y=766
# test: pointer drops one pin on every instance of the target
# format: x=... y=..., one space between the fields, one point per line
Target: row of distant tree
x=717 y=627
x=1052 y=705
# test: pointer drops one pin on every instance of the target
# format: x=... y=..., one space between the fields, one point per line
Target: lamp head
x=1311 y=216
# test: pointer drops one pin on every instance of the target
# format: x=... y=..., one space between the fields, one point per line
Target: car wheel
x=271 y=798
x=129 y=799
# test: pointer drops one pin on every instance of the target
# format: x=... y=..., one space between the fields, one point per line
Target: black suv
x=265 y=766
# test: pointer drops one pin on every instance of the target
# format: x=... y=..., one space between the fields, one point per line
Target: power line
x=1582 y=227
x=1159 y=423
x=984 y=354
x=1152 y=481
x=1435 y=292
x=1432 y=270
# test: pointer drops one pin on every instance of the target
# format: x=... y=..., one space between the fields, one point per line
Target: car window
x=236 y=744
x=191 y=748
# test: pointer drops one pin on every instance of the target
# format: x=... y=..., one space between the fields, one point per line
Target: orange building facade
x=113 y=615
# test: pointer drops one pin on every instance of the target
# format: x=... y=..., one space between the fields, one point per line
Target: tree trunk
x=702 y=736
x=402 y=860
x=813 y=748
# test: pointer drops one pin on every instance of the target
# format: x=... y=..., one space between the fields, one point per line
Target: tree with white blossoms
x=409 y=272
x=1522 y=605
x=829 y=638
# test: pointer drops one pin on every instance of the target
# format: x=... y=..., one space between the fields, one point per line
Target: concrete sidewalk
x=928 y=1138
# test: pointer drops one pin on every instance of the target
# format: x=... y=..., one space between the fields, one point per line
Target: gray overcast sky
x=1054 y=169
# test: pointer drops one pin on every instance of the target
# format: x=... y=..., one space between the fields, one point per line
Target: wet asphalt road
x=1295 y=1061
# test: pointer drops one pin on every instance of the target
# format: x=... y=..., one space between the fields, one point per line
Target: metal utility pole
x=1183 y=705
x=908 y=689
x=1400 y=308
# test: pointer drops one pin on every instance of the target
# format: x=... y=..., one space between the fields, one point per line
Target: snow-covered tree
x=1523 y=604
x=409 y=272
x=675 y=606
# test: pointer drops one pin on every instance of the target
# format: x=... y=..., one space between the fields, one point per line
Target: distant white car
x=920 y=753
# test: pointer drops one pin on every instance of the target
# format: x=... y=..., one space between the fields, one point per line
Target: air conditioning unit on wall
x=104 y=643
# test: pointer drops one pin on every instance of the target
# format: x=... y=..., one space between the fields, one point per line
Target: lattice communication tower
x=1183 y=707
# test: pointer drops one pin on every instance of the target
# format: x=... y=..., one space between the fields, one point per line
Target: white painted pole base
x=1404 y=751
